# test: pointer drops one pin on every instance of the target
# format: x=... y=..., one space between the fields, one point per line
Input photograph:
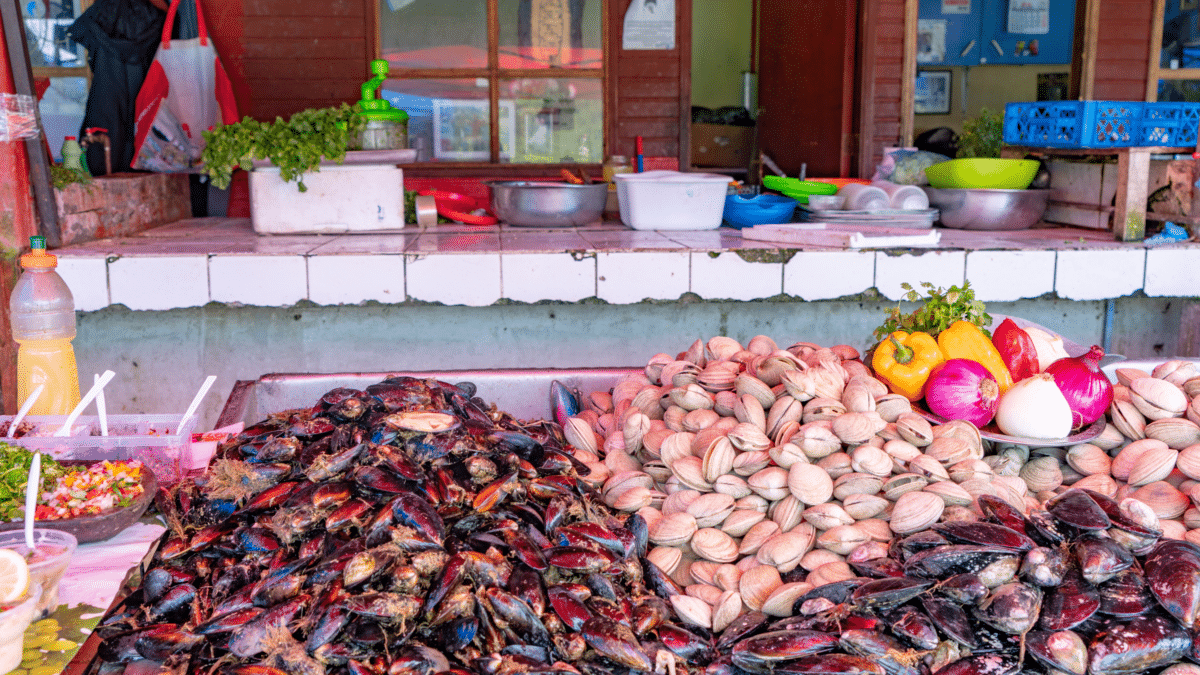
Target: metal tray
x=524 y=393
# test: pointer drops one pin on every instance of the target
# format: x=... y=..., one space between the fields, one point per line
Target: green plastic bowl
x=983 y=173
x=798 y=189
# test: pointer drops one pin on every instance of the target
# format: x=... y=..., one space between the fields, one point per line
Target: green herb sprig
x=939 y=310
x=296 y=145
x=15 y=462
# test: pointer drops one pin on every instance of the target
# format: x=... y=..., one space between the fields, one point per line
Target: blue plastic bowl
x=743 y=211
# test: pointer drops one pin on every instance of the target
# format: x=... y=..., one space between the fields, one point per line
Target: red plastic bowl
x=459 y=207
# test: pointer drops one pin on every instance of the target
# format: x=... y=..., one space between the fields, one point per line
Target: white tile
x=625 y=278
x=1099 y=275
x=159 y=282
x=530 y=277
x=88 y=280
x=259 y=280
x=1173 y=272
x=354 y=279
x=726 y=276
x=941 y=268
x=824 y=275
x=454 y=278
x=1004 y=276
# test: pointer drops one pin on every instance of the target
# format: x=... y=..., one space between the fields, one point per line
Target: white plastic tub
x=348 y=198
x=671 y=200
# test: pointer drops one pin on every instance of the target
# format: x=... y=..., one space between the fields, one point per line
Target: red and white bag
x=185 y=92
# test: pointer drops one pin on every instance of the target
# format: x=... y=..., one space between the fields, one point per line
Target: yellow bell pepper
x=964 y=340
x=903 y=362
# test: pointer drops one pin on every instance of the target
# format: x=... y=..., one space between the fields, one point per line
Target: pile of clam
x=765 y=472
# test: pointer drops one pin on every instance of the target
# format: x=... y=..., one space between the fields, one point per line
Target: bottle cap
x=69 y=138
x=37 y=257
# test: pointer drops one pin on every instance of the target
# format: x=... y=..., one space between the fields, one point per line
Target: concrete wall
x=166 y=355
x=720 y=51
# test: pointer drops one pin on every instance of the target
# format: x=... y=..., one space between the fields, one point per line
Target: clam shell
x=1154 y=464
x=950 y=450
x=666 y=558
x=858 y=398
x=784 y=550
x=1126 y=376
x=787 y=454
x=675 y=529
x=711 y=509
x=651 y=515
x=757 y=584
x=1157 y=399
x=891 y=406
x=787 y=512
x=757 y=536
x=690 y=472
x=725 y=577
x=1189 y=462
x=963 y=430
x=876 y=529
x=748 y=438
x=784 y=411
x=1110 y=438
x=1042 y=474
x=817 y=440
x=718 y=459
x=674 y=447
x=771 y=483
x=842 y=539
x=749 y=410
x=903 y=483
x=929 y=467
x=747 y=384
x=692 y=397
x=1088 y=459
x=1098 y=482
x=872 y=460
x=727 y=609
x=1176 y=432
x=752 y=503
x=951 y=493
x=1127 y=419
x=724 y=403
x=968 y=469
x=1163 y=499
x=739 y=523
x=712 y=544
x=914 y=429
x=861 y=507
x=826 y=516
x=916 y=511
x=718 y=376
x=830 y=573
x=1175 y=371
x=750 y=463
x=819 y=556
x=761 y=344
x=779 y=603
x=701 y=572
x=692 y=611
x=733 y=485
x=1130 y=455
x=856 y=428
x=810 y=483
x=836 y=465
x=699 y=420
x=580 y=435
x=677 y=502
x=856 y=484
x=822 y=408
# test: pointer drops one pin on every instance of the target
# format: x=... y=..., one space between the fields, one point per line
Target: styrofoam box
x=671 y=200
x=350 y=198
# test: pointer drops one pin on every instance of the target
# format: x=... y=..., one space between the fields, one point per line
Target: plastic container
x=904 y=197
x=42 y=313
x=745 y=211
x=54 y=549
x=859 y=197
x=155 y=440
x=386 y=126
x=826 y=202
x=13 y=622
x=987 y=173
x=1100 y=124
x=614 y=165
x=348 y=198
x=72 y=156
x=798 y=189
x=671 y=200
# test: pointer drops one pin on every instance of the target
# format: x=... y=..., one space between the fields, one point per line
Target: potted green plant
x=297 y=145
x=982 y=136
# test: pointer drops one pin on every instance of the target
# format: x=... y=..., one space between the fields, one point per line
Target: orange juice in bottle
x=42 y=313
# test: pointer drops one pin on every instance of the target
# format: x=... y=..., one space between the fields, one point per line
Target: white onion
x=1034 y=408
x=1049 y=347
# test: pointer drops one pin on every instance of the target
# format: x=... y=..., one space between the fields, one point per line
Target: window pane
x=46 y=23
x=62 y=108
x=1181 y=35
x=557 y=120
x=550 y=33
x=1179 y=90
x=448 y=119
x=433 y=33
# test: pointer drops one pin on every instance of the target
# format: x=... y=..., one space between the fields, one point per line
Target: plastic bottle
x=43 y=324
x=72 y=156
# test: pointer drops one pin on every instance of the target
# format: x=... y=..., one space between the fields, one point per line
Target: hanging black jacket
x=121 y=37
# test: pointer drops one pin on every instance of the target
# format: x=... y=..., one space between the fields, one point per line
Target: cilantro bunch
x=15 y=462
x=938 y=311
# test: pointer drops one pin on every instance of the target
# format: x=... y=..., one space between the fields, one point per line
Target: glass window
x=1179 y=90
x=539 y=72
x=1180 y=35
x=46 y=23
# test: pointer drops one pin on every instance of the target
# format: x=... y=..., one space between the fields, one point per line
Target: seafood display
x=405 y=528
x=765 y=473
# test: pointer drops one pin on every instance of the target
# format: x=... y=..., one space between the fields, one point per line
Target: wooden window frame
x=1154 y=71
x=494 y=73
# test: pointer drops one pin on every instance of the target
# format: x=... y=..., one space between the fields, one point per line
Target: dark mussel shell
x=836 y=593
x=945 y=561
x=830 y=664
x=1044 y=528
x=889 y=592
x=982 y=664
x=1137 y=646
x=745 y=625
x=1173 y=574
x=1077 y=509
x=999 y=511
x=951 y=619
x=1100 y=558
x=1044 y=566
x=984 y=534
x=1069 y=604
x=1062 y=650
x=964 y=589
x=757 y=654
x=1126 y=595
x=903 y=549
x=883 y=649
x=1012 y=608
x=914 y=627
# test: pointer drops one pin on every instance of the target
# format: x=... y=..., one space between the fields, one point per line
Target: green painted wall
x=720 y=51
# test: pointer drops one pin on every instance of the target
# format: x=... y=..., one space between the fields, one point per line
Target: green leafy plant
x=61 y=176
x=982 y=136
x=296 y=145
x=939 y=310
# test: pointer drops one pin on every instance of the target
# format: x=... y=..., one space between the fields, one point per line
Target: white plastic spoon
x=25 y=408
x=101 y=410
x=31 y=495
x=208 y=383
x=83 y=403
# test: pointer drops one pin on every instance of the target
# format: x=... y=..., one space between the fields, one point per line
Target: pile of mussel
x=1079 y=588
x=405 y=528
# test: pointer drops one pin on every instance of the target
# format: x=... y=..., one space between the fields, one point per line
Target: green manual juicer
x=386 y=126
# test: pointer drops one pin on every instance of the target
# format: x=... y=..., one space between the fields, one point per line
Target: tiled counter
x=195 y=262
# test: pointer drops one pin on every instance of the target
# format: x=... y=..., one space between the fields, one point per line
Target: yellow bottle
x=42 y=313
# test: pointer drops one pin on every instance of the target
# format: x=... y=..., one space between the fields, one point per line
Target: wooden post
x=1189 y=330
x=1133 y=179
x=908 y=73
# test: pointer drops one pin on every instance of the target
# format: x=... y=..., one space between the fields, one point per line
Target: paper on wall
x=1029 y=17
x=649 y=24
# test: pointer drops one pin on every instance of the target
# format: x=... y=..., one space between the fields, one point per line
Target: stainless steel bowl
x=979 y=209
x=527 y=203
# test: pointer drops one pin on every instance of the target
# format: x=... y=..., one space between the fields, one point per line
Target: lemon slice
x=14 y=575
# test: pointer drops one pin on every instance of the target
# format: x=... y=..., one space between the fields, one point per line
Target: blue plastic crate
x=1101 y=124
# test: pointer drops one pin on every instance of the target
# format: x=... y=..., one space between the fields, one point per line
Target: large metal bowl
x=527 y=203
x=978 y=209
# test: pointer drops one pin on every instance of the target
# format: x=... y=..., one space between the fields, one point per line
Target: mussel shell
x=913 y=627
x=965 y=589
x=1062 y=650
x=950 y=618
x=946 y=561
x=1173 y=574
x=877 y=646
x=1044 y=566
x=889 y=592
x=1012 y=608
x=904 y=548
x=1140 y=645
x=1101 y=558
x=984 y=534
x=838 y=592
x=1069 y=604
x=1126 y=595
x=999 y=511
x=757 y=654
x=982 y=664
x=1077 y=509
x=830 y=664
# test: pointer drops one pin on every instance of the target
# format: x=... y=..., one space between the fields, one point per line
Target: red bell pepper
x=1016 y=349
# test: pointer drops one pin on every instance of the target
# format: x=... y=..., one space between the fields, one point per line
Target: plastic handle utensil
x=208 y=383
x=31 y=494
x=101 y=409
x=25 y=408
x=83 y=403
